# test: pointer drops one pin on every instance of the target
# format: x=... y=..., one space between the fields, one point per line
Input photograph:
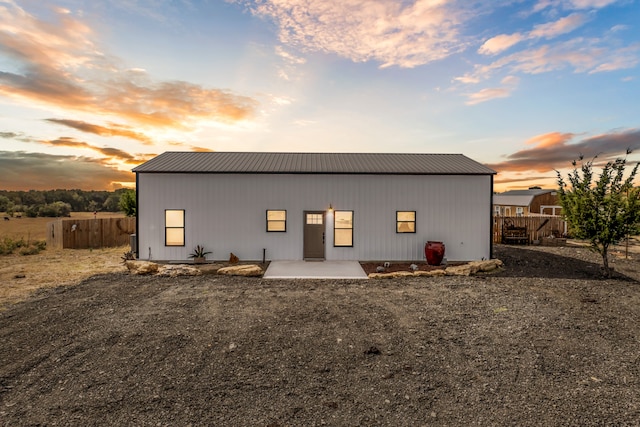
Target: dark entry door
x=313 y=234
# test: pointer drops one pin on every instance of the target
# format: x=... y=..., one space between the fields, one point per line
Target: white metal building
x=293 y=206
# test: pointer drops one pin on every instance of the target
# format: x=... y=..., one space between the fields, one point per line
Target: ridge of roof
x=318 y=163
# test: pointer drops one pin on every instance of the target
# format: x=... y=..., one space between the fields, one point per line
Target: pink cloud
x=554 y=151
x=60 y=64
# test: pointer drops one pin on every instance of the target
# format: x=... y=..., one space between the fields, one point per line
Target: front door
x=313 y=235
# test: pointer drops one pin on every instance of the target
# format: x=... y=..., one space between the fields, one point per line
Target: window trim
x=175 y=228
x=342 y=228
x=398 y=222
x=276 y=220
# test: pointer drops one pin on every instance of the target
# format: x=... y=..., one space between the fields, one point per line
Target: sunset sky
x=91 y=88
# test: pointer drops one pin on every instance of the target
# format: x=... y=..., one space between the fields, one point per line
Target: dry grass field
x=36 y=228
x=21 y=276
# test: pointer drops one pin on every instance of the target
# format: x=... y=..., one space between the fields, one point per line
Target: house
x=534 y=201
x=294 y=206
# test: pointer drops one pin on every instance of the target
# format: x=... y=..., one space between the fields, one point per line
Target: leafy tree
x=603 y=211
x=5 y=203
x=112 y=204
x=55 y=209
x=128 y=203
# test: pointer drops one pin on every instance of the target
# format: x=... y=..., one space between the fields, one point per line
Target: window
x=405 y=221
x=519 y=211
x=314 y=218
x=343 y=228
x=277 y=220
x=174 y=227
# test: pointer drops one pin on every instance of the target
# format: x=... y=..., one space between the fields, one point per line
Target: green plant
x=199 y=252
x=8 y=245
x=128 y=256
x=603 y=211
x=127 y=203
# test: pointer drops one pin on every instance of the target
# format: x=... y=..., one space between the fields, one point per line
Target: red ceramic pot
x=434 y=251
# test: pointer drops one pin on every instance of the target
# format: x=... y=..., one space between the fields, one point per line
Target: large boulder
x=474 y=267
x=488 y=265
x=141 y=267
x=246 y=270
x=178 y=270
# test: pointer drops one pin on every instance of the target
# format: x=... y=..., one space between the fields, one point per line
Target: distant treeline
x=56 y=203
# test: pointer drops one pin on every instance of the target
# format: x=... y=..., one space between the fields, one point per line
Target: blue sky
x=89 y=89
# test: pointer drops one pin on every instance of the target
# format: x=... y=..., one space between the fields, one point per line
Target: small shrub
x=29 y=250
x=8 y=245
x=128 y=256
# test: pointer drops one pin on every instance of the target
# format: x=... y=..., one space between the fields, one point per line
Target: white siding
x=227 y=213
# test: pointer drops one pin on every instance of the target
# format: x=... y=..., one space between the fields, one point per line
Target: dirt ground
x=546 y=341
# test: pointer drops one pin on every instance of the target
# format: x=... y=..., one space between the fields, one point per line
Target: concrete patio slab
x=314 y=270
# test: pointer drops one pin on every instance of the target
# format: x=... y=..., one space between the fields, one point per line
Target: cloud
x=111 y=154
x=590 y=4
x=487 y=94
x=58 y=63
x=114 y=130
x=548 y=30
x=404 y=34
x=555 y=151
x=579 y=54
x=561 y=26
x=572 y=4
x=500 y=43
x=509 y=85
x=37 y=171
x=10 y=135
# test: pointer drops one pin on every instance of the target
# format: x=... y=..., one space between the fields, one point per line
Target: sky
x=89 y=88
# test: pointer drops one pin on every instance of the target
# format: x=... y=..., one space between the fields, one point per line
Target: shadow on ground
x=522 y=262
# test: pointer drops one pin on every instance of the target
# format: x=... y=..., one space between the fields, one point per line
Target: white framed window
x=315 y=218
x=174 y=227
x=405 y=221
x=519 y=211
x=343 y=228
x=276 y=221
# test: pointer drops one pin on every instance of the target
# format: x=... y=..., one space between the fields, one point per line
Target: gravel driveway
x=544 y=342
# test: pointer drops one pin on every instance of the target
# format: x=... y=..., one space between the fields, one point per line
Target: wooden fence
x=90 y=233
x=535 y=227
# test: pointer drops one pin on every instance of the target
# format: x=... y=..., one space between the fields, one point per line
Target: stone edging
x=468 y=269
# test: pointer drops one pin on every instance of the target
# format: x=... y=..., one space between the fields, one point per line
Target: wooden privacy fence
x=90 y=233
x=532 y=227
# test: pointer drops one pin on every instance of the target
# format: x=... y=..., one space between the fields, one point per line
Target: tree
x=5 y=204
x=604 y=211
x=112 y=204
x=128 y=202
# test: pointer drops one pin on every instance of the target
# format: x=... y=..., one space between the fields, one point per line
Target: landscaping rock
x=141 y=267
x=390 y=275
x=431 y=273
x=178 y=270
x=247 y=270
x=473 y=267
x=488 y=265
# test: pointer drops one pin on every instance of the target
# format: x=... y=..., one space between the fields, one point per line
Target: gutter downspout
x=137 y=217
x=490 y=221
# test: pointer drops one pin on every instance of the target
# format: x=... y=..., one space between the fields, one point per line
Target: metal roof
x=512 y=200
x=529 y=192
x=313 y=163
